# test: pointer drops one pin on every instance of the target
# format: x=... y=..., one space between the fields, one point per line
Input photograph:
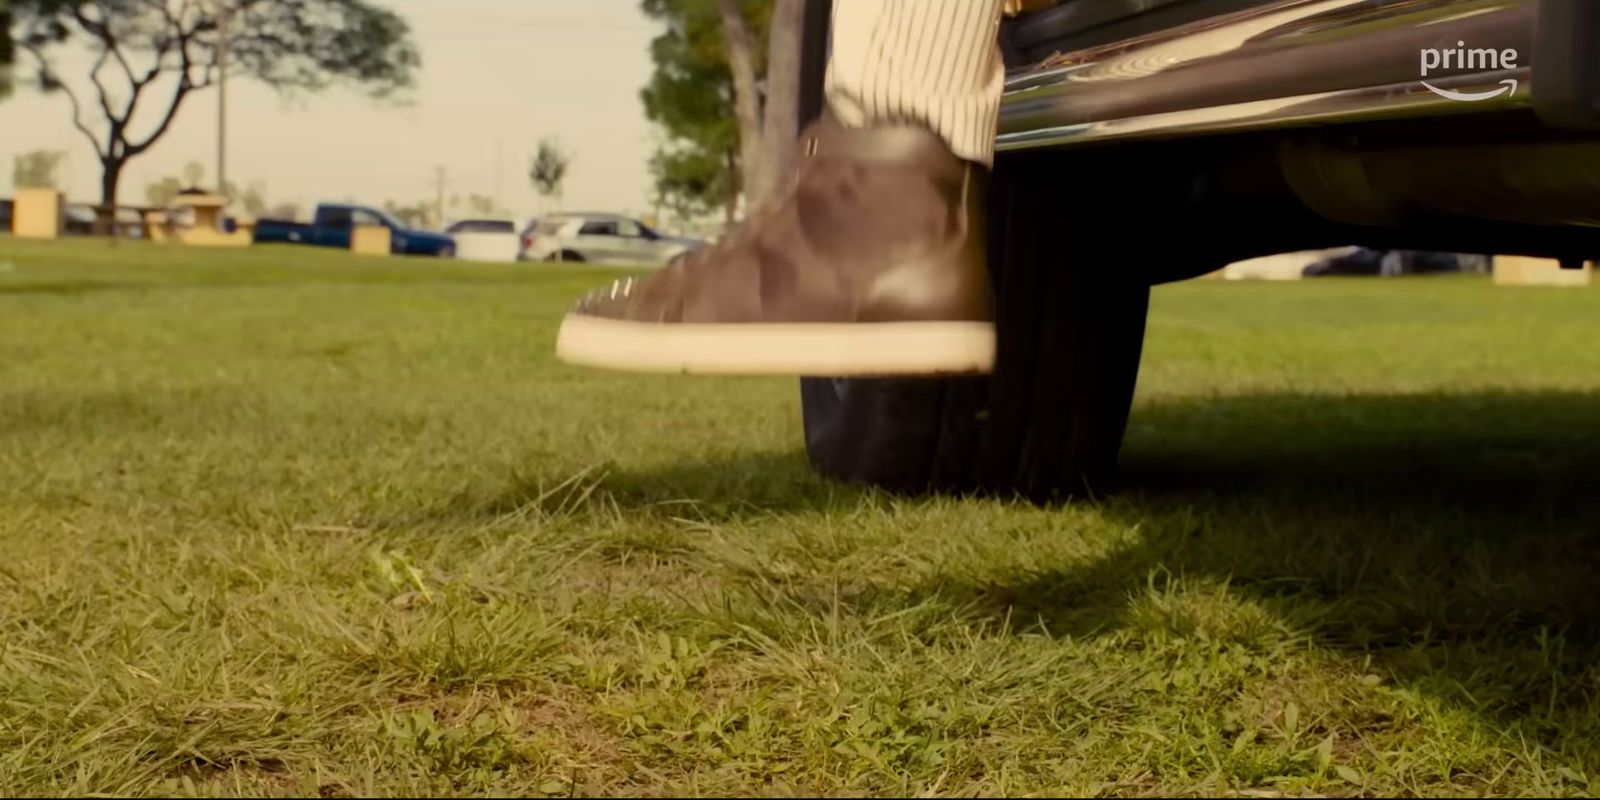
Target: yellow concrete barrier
x=207 y=228
x=370 y=240
x=38 y=214
x=1526 y=271
x=157 y=226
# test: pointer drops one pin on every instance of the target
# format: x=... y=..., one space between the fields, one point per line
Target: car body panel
x=492 y=240
x=333 y=222
x=1273 y=64
x=1270 y=126
x=602 y=239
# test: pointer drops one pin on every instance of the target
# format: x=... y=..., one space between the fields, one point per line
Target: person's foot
x=871 y=263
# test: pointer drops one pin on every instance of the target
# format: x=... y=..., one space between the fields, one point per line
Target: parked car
x=525 y=237
x=602 y=239
x=78 y=220
x=486 y=240
x=1376 y=262
x=332 y=223
x=1148 y=141
x=481 y=226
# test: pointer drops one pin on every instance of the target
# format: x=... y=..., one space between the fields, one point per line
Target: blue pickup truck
x=332 y=225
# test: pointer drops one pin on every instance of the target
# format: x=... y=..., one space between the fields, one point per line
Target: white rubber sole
x=832 y=349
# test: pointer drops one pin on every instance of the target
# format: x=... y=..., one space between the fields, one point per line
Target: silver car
x=601 y=239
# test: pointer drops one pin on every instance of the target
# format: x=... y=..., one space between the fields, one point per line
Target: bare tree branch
x=100 y=88
x=93 y=27
x=178 y=95
x=56 y=83
x=286 y=44
x=127 y=69
x=186 y=84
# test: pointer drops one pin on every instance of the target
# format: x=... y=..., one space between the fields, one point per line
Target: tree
x=767 y=119
x=160 y=194
x=418 y=215
x=10 y=12
x=8 y=51
x=690 y=98
x=690 y=181
x=252 y=200
x=785 y=46
x=475 y=205
x=741 y=55
x=150 y=56
x=549 y=169
x=725 y=91
x=482 y=205
x=37 y=170
x=283 y=210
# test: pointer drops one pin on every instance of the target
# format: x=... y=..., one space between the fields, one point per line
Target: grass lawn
x=288 y=522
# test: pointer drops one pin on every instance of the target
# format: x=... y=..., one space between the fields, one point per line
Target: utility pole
x=440 y=177
x=224 y=11
x=499 y=178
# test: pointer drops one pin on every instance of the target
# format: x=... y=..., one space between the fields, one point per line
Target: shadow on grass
x=1453 y=539
x=761 y=484
x=1486 y=465
x=74 y=288
x=1527 y=459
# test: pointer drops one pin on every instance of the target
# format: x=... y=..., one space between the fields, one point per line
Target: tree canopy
x=690 y=97
x=725 y=93
x=548 y=169
x=151 y=55
x=11 y=11
x=39 y=169
x=251 y=199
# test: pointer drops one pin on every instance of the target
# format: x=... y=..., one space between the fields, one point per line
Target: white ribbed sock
x=934 y=62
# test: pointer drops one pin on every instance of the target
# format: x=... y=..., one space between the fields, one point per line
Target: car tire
x=1048 y=423
x=448 y=251
x=569 y=256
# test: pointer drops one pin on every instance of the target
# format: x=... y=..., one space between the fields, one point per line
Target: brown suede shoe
x=870 y=263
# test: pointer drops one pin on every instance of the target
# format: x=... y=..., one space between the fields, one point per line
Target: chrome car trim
x=1293 y=62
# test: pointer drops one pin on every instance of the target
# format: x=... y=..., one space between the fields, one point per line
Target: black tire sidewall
x=1049 y=421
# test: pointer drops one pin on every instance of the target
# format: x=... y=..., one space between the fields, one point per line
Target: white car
x=601 y=239
x=485 y=240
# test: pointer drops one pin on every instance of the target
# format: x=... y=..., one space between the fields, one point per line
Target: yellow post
x=1526 y=271
x=207 y=210
x=38 y=214
x=370 y=240
x=156 y=226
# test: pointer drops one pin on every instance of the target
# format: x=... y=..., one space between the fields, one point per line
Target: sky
x=497 y=76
